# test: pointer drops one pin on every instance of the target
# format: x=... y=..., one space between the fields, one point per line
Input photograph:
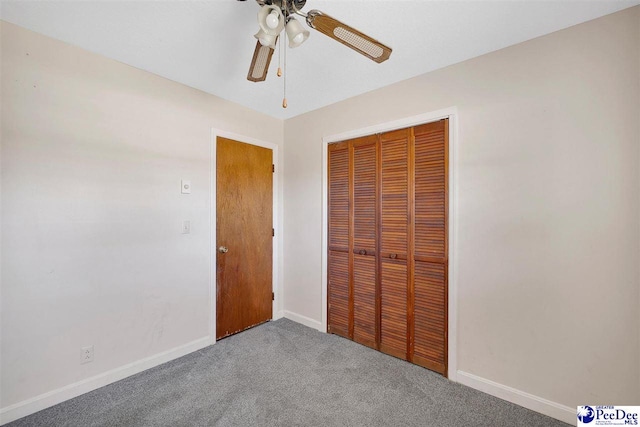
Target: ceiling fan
x=277 y=15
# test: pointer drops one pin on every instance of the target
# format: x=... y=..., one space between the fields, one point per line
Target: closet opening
x=388 y=242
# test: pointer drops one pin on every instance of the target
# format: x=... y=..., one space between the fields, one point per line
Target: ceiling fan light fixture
x=266 y=39
x=271 y=20
x=296 y=33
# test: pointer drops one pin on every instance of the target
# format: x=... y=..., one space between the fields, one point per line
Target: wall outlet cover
x=86 y=354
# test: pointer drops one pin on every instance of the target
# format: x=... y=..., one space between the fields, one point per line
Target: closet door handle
x=367 y=252
x=393 y=256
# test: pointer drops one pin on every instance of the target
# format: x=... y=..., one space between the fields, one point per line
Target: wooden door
x=364 y=214
x=353 y=242
x=338 y=297
x=394 y=238
x=431 y=245
x=244 y=249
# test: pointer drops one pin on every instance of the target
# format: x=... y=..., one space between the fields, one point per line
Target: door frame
x=451 y=113
x=276 y=285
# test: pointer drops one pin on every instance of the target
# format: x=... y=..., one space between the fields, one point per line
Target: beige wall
x=93 y=152
x=548 y=209
x=638 y=139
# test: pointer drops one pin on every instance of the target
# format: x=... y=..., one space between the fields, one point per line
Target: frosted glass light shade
x=266 y=39
x=296 y=33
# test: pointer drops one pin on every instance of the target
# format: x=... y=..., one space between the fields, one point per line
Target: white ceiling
x=208 y=44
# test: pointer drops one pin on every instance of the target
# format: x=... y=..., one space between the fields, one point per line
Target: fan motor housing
x=292 y=5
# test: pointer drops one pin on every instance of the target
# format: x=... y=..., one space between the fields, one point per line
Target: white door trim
x=277 y=240
x=452 y=114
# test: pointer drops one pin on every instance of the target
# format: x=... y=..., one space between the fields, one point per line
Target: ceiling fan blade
x=348 y=36
x=260 y=63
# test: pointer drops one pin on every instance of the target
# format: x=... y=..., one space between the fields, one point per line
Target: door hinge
x=273 y=232
x=273 y=296
x=273 y=168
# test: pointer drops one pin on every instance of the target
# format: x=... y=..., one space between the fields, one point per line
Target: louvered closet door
x=394 y=147
x=431 y=189
x=388 y=242
x=364 y=239
x=338 y=230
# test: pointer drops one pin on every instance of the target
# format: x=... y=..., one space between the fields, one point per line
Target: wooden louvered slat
x=338 y=293
x=430 y=316
x=339 y=196
x=393 y=334
x=364 y=304
x=430 y=190
x=364 y=239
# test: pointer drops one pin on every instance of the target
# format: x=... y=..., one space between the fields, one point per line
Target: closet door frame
x=448 y=113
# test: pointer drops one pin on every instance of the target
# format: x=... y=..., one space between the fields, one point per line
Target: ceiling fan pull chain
x=284 y=99
x=284 y=81
x=279 y=56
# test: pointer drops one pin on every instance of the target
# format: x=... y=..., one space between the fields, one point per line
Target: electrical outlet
x=186 y=227
x=86 y=354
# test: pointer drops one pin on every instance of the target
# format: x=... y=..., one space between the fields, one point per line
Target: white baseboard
x=277 y=315
x=529 y=401
x=43 y=401
x=306 y=321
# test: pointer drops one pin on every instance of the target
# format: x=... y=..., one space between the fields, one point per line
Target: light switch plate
x=186 y=227
x=186 y=186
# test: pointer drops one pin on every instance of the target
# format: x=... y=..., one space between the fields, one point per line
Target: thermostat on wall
x=186 y=186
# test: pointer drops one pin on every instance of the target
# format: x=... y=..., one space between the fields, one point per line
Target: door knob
x=223 y=249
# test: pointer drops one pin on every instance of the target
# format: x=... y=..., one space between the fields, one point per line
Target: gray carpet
x=285 y=374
